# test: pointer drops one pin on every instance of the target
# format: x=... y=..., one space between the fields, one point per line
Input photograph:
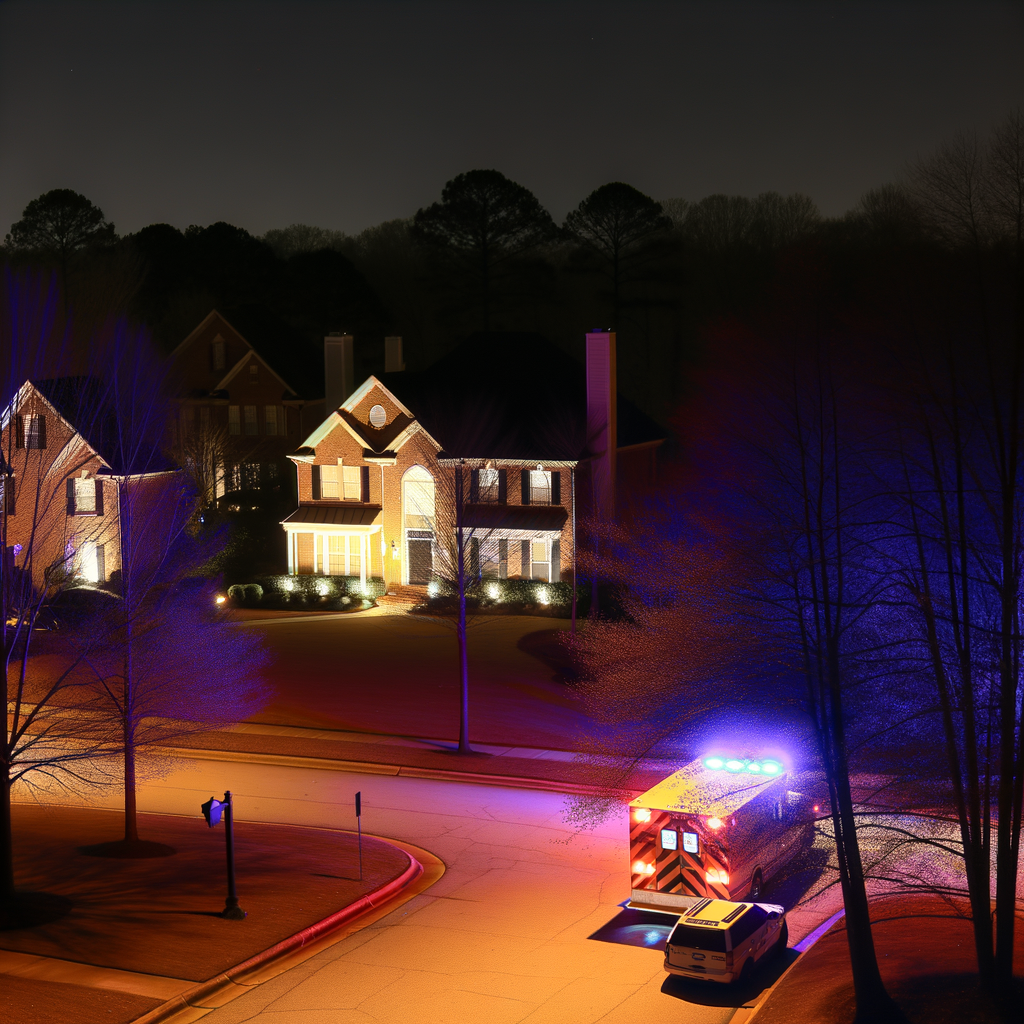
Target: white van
x=716 y=940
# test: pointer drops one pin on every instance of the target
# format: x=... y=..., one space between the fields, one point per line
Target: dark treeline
x=485 y=256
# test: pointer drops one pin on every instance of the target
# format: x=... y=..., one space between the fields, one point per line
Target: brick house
x=64 y=481
x=375 y=479
x=236 y=411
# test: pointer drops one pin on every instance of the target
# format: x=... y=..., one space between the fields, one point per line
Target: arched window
x=418 y=525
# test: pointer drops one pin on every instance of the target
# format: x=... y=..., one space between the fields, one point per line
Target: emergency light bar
x=736 y=765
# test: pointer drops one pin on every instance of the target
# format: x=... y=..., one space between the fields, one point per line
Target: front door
x=421 y=556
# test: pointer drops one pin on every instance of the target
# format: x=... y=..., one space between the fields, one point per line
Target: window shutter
x=474 y=486
x=101 y=564
x=524 y=559
x=503 y=486
x=315 y=471
x=556 y=487
x=19 y=439
x=556 y=559
x=41 y=443
x=364 y=484
x=99 y=496
x=71 y=496
x=9 y=494
x=474 y=557
x=503 y=557
x=526 y=488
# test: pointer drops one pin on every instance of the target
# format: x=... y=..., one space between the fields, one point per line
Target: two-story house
x=238 y=418
x=65 y=475
x=376 y=479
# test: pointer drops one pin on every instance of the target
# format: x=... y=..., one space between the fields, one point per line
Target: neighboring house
x=63 y=478
x=375 y=479
x=238 y=418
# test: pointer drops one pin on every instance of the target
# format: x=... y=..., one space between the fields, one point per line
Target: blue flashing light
x=736 y=765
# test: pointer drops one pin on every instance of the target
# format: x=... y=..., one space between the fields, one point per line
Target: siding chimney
x=339 y=370
x=602 y=433
x=393 y=361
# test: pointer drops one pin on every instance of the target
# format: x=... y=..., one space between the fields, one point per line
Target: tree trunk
x=131 y=819
x=6 y=845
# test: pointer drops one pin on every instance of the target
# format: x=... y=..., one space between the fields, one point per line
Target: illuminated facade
x=377 y=498
x=63 y=486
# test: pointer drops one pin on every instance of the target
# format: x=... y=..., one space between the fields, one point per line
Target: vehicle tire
x=783 y=942
x=746 y=970
x=756 y=885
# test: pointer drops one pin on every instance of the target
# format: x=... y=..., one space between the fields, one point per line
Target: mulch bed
x=926 y=957
x=160 y=915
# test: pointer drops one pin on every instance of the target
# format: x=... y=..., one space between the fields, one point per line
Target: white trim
x=364 y=389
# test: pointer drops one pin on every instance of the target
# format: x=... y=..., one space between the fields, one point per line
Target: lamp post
x=213 y=809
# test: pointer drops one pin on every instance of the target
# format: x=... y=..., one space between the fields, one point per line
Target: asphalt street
x=504 y=936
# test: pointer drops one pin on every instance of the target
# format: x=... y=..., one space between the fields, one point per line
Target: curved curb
x=203 y=997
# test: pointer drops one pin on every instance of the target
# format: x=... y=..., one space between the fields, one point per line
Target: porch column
x=291 y=552
x=362 y=561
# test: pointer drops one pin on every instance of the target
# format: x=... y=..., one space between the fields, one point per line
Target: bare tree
x=46 y=742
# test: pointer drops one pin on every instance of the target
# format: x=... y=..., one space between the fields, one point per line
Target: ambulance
x=718 y=828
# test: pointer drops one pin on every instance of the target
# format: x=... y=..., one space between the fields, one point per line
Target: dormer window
x=378 y=416
x=254 y=373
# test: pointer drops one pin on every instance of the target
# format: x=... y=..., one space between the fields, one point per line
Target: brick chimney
x=339 y=370
x=602 y=433
x=393 y=361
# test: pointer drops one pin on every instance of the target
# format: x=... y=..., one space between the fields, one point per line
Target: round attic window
x=378 y=417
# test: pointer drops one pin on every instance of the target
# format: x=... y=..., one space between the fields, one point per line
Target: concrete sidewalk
x=490 y=764
x=143 y=938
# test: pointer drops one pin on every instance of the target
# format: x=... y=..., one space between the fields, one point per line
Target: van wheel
x=783 y=942
x=756 y=884
x=746 y=971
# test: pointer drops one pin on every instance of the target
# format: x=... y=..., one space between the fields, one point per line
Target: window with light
x=487 y=488
x=540 y=487
x=85 y=496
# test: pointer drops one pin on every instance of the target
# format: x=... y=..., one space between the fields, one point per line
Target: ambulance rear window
x=711 y=939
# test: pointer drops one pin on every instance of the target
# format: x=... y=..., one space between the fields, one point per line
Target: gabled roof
x=244 y=361
x=513 y=396
x=279 y=347
x=390 y=438
x=88 y=409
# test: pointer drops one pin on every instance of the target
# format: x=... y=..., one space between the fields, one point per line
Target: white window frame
x=489 y=491
x=535 y=562
x=234 y=419
x=351 y=483
x=540 y=487
x=31 y=423
x=271 y=420
x=85 y=496
x=330 y=483
x=251 y=420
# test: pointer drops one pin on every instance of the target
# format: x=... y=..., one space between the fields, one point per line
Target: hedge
x=285 y=591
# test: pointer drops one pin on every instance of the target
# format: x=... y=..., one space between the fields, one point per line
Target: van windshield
x=712 y=939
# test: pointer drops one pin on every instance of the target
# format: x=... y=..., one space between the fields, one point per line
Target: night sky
x=347 y=114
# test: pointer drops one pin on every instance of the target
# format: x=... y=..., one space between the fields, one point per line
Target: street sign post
x=213 y=811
